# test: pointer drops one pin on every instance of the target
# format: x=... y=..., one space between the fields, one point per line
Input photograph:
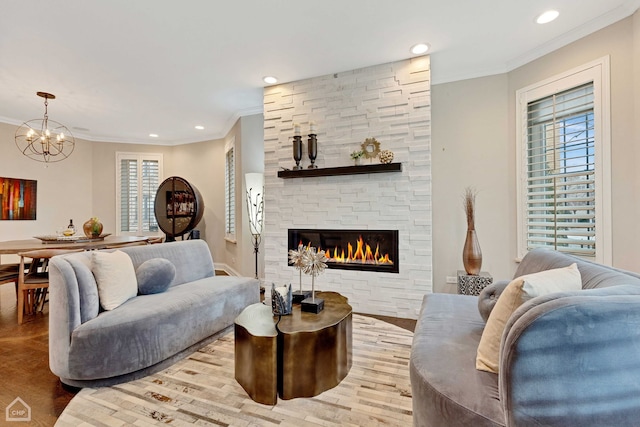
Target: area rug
x=200 y=390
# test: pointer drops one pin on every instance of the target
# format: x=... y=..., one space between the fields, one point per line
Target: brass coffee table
x=310 y=353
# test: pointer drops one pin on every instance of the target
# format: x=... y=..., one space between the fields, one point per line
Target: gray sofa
x=566 y=359
x=92 y=347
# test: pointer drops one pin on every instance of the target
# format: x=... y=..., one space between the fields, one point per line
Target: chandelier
x=45 y=140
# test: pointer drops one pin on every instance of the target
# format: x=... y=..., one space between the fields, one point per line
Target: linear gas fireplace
x=365 y=250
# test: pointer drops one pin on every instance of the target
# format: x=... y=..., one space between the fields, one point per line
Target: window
x=138 y=178
x=230 y=191
x=564 y=192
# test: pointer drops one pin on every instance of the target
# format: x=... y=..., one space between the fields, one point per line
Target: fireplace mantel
x=341 y=170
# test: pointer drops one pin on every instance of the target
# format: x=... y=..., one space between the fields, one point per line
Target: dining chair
x=9 y=274
x=33 y=283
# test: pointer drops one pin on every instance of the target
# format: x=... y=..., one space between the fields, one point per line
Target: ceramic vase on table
x=92 y=228
x=471 y=254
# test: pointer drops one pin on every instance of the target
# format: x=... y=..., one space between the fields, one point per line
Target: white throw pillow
x=115 y=276
x=520 y=289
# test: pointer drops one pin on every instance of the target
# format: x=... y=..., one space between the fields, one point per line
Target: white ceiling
x=122 y=69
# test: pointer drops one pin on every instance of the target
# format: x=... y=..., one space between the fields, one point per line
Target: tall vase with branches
x=471 y=254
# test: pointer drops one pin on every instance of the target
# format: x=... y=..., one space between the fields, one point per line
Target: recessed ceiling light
x=270 y=80
x=153 y=135
x=547 y=16
x=199 y=127
x=419 y=48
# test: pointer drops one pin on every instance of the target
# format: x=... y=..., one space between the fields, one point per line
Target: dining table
x=18 y=246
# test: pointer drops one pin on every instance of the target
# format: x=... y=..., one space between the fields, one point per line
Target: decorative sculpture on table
x=92 y=228
x=296 y=257
x=314 y=263
x=297 y=146
x=312 y=147
x=281 y=300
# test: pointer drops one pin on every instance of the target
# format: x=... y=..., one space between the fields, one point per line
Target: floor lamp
x=254 y=184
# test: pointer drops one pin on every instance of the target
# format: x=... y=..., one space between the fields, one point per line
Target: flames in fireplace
x=345 y=249
x=362 y=254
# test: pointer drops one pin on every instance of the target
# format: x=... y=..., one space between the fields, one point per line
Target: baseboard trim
x=224 y=267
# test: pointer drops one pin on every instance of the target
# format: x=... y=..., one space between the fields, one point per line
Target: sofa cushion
x=155 y=275
x=447 y=388
x=516 y=293
x=115 y=277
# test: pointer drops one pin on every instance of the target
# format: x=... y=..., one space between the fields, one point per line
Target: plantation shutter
x=150 y=184
x=139 y=177
x=560 y=187
x=230 y=197
x=128 y=195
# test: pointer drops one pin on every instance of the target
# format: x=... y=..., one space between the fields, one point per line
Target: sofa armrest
x=573 y=359
x=64 y=313
x=489 y=296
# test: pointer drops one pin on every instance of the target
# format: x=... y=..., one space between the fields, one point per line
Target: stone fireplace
x=388 y=102
x=363 y=250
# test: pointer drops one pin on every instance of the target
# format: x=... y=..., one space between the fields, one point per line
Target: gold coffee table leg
x=256 y=354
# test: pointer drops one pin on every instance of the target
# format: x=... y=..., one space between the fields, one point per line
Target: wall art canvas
x=18 y=199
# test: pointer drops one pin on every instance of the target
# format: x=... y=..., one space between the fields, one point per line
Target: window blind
x=139 y=178
x=150 y=183
x=560 y=185
x=128 y=195
x=230 y=190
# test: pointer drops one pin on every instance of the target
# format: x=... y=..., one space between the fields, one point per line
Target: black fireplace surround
x=363 y=250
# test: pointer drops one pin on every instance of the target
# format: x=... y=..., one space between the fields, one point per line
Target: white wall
x=389 y=102
x=474 y=144
x=470 y=148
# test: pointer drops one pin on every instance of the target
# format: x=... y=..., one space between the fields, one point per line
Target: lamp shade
x=254 y=184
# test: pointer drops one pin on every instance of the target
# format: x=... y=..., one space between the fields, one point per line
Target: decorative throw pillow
x=520 y=289
x=155 y=275
x=115 y=277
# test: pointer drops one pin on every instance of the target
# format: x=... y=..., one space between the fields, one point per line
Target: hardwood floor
x=24 y=359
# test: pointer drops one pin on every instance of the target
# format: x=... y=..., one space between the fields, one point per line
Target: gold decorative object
x=471 y=254
x=92 y=228
x=386 y=156
x=371 y=148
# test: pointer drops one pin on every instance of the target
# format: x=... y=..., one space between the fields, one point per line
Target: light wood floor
x=24 y=358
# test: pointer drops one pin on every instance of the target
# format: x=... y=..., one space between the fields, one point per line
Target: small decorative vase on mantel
x=471 y=254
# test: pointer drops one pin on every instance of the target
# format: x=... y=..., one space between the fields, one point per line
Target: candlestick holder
x=297 y=151
x=313 y=150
